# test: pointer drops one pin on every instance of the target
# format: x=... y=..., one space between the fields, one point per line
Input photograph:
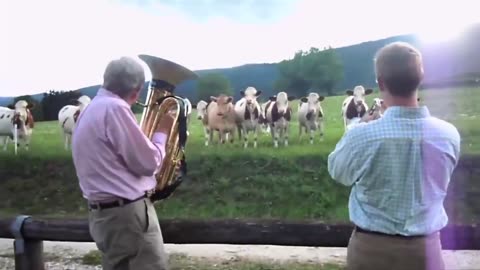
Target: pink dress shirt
x=112 y=156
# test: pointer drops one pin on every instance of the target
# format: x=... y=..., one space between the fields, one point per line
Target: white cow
x=310 y=115
x=247 y=111
x=67 y=117
x=264 y=126
x=17 y=123
x=202 y=116
x=354 y=106
x=278 y=115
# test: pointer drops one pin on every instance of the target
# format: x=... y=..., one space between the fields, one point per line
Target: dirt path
x=458 y=260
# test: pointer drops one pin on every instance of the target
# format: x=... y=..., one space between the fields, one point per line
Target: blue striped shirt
x=399 y=167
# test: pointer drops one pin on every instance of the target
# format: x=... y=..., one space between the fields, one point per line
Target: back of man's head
x=399 y=67
x=123 y=75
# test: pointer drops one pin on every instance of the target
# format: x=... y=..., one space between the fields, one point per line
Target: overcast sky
x=62 y=44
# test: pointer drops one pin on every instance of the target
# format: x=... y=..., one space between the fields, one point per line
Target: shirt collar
x=407 y=112
x=103 y=92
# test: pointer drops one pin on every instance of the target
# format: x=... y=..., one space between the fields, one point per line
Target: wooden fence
x=29 y=234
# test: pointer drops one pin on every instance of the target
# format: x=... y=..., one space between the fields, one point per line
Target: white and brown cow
x=68 y=115
x=279 y=114
x=310 y=115
x=354 y=106
x=201 y=108
x=221 y=118
x=17 y=123
x=247 y=111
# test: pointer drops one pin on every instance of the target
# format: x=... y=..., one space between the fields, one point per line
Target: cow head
x=22 y=116
x=281 y=101
x=223 y=102
x=201 y=109
x=313 y=102
x=377 y=106
x=359 y=94
x=250 y=95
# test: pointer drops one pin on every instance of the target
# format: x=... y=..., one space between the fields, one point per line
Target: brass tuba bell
x=160 y=101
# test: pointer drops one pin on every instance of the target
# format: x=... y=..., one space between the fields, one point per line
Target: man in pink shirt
x=115 y=164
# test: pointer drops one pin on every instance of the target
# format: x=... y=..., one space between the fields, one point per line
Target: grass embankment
x=228 y=181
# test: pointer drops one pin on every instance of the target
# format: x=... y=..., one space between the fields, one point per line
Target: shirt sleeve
x=142 y=156
x=342 y=162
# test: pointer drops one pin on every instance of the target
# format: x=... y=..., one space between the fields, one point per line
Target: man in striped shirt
x=399 y=167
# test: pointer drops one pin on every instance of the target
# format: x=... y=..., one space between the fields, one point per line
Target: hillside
x=444 y=63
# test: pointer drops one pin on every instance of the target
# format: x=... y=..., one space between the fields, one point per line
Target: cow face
x=313 y=102
x=281 y=102
x=250 y=95
x=359 y=94
x=201 y=109
x=223 y=103
x=22 y=115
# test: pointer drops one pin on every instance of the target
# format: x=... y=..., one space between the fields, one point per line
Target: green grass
x=228 y=181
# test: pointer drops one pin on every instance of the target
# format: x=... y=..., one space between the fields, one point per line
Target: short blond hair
x=400 y=66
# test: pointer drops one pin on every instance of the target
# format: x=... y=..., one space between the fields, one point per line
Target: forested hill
x=444 y=62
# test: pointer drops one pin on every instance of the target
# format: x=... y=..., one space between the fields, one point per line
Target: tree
x=53 y=101
x=310 y=69
x=213 y=84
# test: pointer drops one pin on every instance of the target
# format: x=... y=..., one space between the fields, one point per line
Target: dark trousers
x=367 y=251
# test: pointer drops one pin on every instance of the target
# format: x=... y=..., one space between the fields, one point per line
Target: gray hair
x=400 y=66
x=123 y=76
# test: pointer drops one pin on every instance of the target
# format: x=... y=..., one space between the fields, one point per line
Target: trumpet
x=161 y=101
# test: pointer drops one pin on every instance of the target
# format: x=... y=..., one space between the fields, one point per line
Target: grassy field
x=228 y=181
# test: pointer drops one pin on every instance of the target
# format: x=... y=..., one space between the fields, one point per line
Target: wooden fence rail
x=30 y=232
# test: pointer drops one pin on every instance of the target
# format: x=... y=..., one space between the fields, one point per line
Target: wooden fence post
x=28 y=253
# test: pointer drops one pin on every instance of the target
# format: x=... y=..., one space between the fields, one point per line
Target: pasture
x=228 y=181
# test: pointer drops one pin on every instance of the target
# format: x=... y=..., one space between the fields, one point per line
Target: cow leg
x=66 y=141
x=255 y=136
x=221 y=135
x=209 y=136
x=274 y=132
x=321 y=128
x=5 y=142
x=300 y=131
x=245 y=136
x=285 y=135
x=312 y=132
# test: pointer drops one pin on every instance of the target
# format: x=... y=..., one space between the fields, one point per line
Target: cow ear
x=259 y=92
x=418 y=99
x=194 y=106
x=229 y=99
x=290 y=98
x=272 y=98
x=11 y=106
x=303 y=99
x=31 y=106
x=212 y=98
x=321 y=98
x=368 y=91
x=242 y=93
x=349 y=92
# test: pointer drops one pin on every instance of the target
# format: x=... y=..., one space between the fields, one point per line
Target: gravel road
x=458 y=260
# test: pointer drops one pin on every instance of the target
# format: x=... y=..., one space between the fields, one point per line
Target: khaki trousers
x=129 y=237
x=381 y=252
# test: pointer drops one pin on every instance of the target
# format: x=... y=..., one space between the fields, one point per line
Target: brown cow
x=221 y=118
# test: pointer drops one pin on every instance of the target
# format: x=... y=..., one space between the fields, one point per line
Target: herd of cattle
x=219 y=114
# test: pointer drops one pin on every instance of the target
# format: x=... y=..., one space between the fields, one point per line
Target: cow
x=310 y=115
x=278 y=114
x=201 y=108
x=221 y=118
x=247 y=111
x=354 y=106
x=262 y=121
x=68 y=115
x=17 y=123
x=377 y=109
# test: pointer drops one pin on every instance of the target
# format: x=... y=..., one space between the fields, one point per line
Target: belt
x=116 y=203
x=358 y=229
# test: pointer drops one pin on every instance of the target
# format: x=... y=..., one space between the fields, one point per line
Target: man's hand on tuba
x=165 y=124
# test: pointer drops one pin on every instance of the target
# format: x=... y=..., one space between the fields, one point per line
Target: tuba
x=160 y=101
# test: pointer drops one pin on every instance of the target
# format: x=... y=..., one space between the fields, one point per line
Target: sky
x=66 y=44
